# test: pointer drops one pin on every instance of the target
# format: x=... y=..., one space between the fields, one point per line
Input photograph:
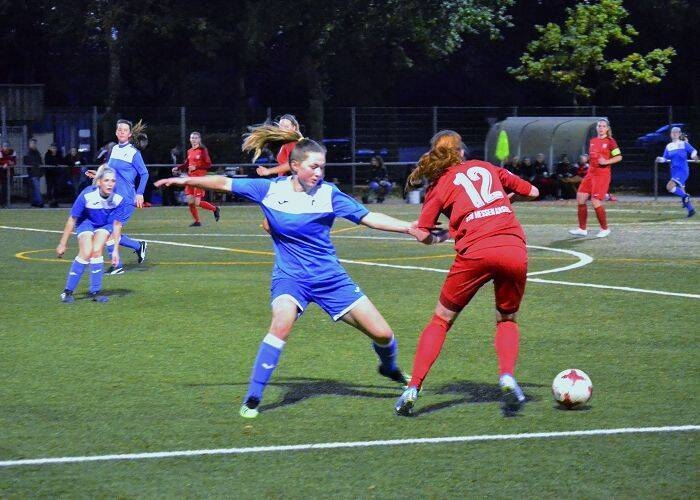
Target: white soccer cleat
x=578 y=232
x=603 y=233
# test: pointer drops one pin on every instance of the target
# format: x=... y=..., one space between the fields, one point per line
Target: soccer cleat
x=96 y=297
x=404 y=405
x=196 y=224
x=578 y=232
x=217 y=214
x=603 y=233
x=512 y=397
x=249 y=409
x=141 y=252
x=67 y=297
x=396 y=375
x=691 y=212
x=685 y=200
x=115 y=269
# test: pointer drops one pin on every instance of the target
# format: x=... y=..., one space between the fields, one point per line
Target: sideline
x=346 y=445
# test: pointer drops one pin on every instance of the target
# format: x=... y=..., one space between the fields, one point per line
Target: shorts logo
x=357 y=289
x=283 y=202
x=268 y=366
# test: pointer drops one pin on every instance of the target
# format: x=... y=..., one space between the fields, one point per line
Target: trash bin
x=413 y=197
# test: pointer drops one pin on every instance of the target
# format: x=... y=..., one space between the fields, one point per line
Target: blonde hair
x=260 y=135
x=607 y=122
x=445 y=150
x=103 y=170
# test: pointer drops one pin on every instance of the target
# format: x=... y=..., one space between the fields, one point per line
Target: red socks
x=207 y=206
x=429 y=346
x=582 y=216
x=194 y=212
x=506 y=342
x=602 y=218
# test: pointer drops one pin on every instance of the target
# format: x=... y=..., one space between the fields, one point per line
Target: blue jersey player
x=301 y=209
x=126 y=160
x=677 y=152
x=97 y=212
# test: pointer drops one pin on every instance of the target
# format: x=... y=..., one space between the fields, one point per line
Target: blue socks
x=96 y=272
x=679 y=191
x=125 y=241
x=387 y=353
x=265 y=363
x=74 y=273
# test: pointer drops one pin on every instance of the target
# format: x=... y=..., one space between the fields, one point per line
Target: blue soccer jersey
x=127 y=163
x=91 y=206
x=300 y=224
x=677 y=153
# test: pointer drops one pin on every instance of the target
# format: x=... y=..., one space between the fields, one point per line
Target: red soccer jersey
x=601 y=148
x=198 y=158
x=472 y=195
x=285 y=151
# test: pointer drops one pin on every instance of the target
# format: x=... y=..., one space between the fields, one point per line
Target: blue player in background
x=127 y=162
x=97 y=212
x=301 y=209
x=677 y=152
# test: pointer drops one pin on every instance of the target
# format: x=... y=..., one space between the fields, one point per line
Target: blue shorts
x=87 y=226
x=336 y=296
x=679 y=176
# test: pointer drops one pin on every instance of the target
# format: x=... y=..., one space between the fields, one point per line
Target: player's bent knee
x=501 y=316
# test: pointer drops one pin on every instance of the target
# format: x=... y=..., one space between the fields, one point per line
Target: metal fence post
x=435 y=120
x=656 y=180
x=183 y=127
x=93 y=132
x=670 y=116
x=3 y=132
x=353 y=143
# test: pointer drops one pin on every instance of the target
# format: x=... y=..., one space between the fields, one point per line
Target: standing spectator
x=33 y=160
x=168 y=192
x=8 y=159
x=197 y=164
x=677 y=152
x=54 y=174
x=603 y=152
x=74 y=160
x=490 y=245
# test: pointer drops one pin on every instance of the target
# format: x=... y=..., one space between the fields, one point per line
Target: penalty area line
x=348 y=445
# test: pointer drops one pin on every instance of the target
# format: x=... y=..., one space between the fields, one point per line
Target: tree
x=573 y=57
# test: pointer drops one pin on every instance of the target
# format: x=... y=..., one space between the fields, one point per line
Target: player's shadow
x=467 y=392
x=109 y=292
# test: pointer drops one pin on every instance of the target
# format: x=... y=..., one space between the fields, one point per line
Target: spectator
x=562 y=170
x=54 y=174
x=74 y=160
x=541 y=176
x=379 y=183
x=513 y=165
x=527 y=170
x=33 y=161
x=8 y=159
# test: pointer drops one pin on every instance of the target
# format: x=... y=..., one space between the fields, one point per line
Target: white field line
x=583 y=260
x=346 y=445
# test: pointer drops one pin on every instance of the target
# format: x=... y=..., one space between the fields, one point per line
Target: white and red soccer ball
x=572 y=388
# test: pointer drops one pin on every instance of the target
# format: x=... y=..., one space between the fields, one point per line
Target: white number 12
x=467 y=182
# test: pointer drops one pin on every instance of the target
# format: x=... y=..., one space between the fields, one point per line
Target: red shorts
x=596 y=185
x=194 y=191
x=505 y=265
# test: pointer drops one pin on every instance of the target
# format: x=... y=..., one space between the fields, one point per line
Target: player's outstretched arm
x=67 y=231
x=215 y=182
x=384 y=222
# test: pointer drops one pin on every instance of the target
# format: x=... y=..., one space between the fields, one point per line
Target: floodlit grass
x=163 y=366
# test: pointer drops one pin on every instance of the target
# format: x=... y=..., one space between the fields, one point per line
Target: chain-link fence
x=354 y=134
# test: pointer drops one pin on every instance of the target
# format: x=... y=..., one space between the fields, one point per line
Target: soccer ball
x=572 y=388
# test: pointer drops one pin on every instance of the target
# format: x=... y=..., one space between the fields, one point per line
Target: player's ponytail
x=446 y=150
x=261 y=135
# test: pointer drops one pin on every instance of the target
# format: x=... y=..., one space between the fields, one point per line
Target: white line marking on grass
x=350 y=444
x=621 y=288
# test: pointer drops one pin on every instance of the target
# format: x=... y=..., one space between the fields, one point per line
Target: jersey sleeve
x=514 y=183
x=689 y=149
x=666 y=154
x=347 y=207
x=284 y=152
x=614 y=148
x=78 y=207
x=253 y=189
x=140 y=167
x=432 y=207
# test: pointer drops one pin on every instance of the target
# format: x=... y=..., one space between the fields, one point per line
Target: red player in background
x=490 y=245
x=197 y=164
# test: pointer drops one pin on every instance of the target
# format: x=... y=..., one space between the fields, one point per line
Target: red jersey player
x=603 y=152
x=490 y=245
x=197 y=164
x=287 y=123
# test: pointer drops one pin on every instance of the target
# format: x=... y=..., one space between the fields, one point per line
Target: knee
x=501 y=316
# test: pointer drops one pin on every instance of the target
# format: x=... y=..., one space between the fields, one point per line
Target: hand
x=171 y=181
x=191 y=169
x=91 y=173
x=139 y=201
x=60 y=250
x=175 y=170
x=115 y=256
x=603 y=161
x=263 y=171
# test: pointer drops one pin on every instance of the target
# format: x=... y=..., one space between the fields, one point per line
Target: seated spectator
x=513 y=165
x=562 y=170
x=541 y=177
x=379 y=184
x=527 y=171
x=578 y=172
